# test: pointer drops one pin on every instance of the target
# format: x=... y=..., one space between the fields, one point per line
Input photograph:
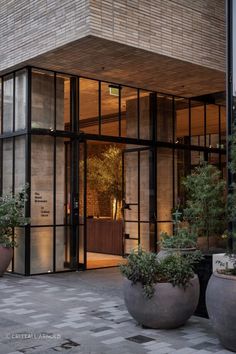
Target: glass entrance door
x=75 y=202
x=139 y=199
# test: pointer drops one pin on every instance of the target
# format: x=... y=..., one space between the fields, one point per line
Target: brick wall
x=30 y=28
x=190 y=30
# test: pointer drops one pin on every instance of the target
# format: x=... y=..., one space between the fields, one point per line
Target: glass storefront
x=57 y=132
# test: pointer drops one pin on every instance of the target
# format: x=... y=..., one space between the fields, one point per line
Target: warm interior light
x=114 y=90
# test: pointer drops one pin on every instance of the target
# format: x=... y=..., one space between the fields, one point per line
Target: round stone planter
x=170 y=307
x=164 y=252
x=221 y=307
x=6 y=254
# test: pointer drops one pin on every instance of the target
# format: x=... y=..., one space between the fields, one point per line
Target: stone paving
x=84 y=312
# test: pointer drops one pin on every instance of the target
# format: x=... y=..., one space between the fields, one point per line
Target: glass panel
x=19 y=163
x=145 y=236
x=19 y=251
x=8 y=104
x=164 y=118
x=62 y=203
x=88 y=106
x=182 y=113
x=223 y=127
x=144 y=115
x=182 y=169
x=212 y=126
x=41 y=247
x=42 y=180
x=213 y=159
x=197 y=123
x=144 y=168
x=196 y=158
x=131 y=177
x=110 y=109
x=20 y=99
x=1 y=103
x=82 y=212
x=164 y=184
x=164 y=227
x=63 y=102
x=131 y=236
x=129 y=112
x=42 y=99
x=7 y=168
x=62 y=248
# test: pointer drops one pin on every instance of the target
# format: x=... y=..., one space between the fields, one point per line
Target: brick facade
x=192 y=31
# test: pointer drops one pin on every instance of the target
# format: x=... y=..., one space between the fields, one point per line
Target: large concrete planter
x=170 y=307
x=6 y=255
x=221 y=307
x=164 y=252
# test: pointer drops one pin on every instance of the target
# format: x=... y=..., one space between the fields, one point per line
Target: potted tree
x=160 y=293
x=11 y=216
x=205 y=213
x=182 y=240
x=205 y=205
x=221 y=289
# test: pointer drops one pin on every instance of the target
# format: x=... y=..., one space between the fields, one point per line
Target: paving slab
x=84 y=312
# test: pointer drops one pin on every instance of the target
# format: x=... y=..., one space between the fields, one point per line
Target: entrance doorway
x=112 y=196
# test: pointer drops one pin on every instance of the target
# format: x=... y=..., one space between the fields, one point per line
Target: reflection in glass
x=129 y=112
x=19 y=251
x=42 y=109
x=197 y=123
x=164 y=118
x=7 y=168
x=144 y=115
x=182 y=113
x=8 y=104
x=19 y=163
x=63 y=99
x=110 y=109
x=88 y=106
x=41 y=247
x=20 y=99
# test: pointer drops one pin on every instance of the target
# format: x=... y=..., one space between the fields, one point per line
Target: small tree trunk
x=115 y=211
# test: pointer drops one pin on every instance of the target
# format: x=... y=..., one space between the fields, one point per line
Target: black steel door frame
x=152 y=197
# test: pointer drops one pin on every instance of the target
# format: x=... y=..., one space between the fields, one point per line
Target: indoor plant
x=221 y=289
x=160 y=293
x=11 y=216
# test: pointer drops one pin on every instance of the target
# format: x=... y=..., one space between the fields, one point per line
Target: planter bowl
x=6 y=254
x=164 y=252
x=221 y=307
x=170 y=307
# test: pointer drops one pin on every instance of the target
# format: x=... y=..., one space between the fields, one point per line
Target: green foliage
x=146 y=268
x=104 y=173
x=178 y=269
x=182 y=238
x=205 y=208
x=12 y=215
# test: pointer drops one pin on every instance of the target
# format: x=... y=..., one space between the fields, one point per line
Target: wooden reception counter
x=104 y=235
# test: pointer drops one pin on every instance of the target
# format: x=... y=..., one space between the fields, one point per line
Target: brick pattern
x=85 y=313
x=29 y=28
x=192 y=31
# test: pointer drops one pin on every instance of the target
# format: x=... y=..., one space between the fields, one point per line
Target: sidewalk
x=84 y=313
